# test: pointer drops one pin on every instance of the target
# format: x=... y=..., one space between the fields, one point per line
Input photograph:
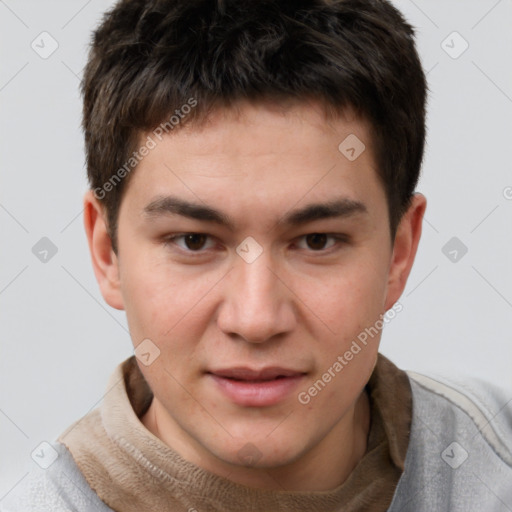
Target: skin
x=299 y=305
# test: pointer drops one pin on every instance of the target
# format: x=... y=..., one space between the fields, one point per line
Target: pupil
x=317 y=240
x=195 y=241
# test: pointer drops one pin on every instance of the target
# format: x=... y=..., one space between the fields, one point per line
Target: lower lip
x=257 y=394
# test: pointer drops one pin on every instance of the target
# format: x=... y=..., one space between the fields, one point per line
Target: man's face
x=280 y=286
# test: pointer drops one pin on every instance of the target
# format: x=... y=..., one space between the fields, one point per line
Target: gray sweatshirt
x=459 y=457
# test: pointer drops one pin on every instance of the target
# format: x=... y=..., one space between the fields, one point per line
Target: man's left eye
x=320 y=241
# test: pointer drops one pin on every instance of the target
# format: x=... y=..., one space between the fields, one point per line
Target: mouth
x=256 y=388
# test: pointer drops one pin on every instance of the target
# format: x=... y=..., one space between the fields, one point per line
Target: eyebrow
x=337 y=208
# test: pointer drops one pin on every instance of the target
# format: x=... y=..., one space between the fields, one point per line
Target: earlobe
x=104 y=261
x=404 y=248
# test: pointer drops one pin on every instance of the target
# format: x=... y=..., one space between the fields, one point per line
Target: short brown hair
x=155 y=60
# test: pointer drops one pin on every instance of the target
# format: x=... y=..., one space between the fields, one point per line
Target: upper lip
x=243 y=373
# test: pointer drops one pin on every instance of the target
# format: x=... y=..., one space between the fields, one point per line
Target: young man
x=252 y=209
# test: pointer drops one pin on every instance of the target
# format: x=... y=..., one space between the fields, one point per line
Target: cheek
x=166 y=304
x=150 y=301
x=347 y=300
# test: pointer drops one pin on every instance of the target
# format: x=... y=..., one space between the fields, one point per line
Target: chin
x=260 y=453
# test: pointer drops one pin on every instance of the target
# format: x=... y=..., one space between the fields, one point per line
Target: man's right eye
x=188 y=242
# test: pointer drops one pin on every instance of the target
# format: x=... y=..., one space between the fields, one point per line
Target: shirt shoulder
x=60 y=487
x=460 y=449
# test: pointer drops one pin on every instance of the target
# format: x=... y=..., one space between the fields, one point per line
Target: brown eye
x=189 y=243
x=316 y=241
x=322 y=242
x=195 y=241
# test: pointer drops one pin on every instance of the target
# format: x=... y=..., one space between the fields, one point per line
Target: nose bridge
x=257 y=283
x=256 y=304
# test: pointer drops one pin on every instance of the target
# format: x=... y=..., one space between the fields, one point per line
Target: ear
x=406 y=242
x=104 y=261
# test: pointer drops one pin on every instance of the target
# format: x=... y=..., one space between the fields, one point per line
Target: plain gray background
x=60 y=341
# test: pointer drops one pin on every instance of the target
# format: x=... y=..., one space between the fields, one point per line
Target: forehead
x=251 y=127
x=260 y=155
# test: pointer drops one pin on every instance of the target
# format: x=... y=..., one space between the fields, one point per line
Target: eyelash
x=170 y=240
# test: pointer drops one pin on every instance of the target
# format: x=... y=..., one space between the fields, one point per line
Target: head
x=287 y=137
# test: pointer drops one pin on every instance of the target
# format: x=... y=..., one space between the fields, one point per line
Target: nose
x=257 y=306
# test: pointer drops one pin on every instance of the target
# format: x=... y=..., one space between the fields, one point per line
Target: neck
x=322 y=468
